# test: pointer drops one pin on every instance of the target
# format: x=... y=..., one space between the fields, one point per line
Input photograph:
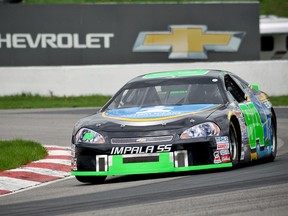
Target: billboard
x=85 y=34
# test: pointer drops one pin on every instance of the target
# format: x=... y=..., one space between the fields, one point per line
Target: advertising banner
x=86 y=34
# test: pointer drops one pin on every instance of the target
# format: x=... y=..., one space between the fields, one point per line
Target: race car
x=175 y=121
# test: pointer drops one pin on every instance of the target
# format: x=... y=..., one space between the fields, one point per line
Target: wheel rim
x=233 y=148
x=273 y=140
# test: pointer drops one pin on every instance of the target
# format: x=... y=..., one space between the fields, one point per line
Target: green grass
x=28 y=101
x=123 y=1
x=279 y=100
x=16 y=153
x=274 y=7
x=271 y=7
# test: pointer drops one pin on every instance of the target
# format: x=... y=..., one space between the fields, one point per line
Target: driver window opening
x=234 y=89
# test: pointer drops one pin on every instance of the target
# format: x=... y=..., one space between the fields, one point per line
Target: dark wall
x=106 y=33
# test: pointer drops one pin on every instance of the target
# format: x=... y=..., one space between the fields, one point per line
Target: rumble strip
x=55 y=166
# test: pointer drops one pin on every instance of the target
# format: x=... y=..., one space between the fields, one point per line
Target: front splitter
x=164 y=165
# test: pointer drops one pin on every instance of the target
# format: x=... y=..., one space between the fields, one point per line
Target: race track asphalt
x=254 y=189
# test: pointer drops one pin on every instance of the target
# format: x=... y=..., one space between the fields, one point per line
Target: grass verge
x=275 y=7
x=28 y=101
x=16 y=153
x=279 y=100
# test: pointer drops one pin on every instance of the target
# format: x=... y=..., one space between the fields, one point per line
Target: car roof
x=178 y=74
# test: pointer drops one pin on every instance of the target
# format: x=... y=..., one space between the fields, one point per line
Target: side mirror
x=256 y=87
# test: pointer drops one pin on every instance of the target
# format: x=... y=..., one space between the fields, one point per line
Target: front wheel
x=91 y=179
x=234 y=153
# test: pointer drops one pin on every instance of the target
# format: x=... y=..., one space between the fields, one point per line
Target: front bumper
x=164 y=165
x=103 y=160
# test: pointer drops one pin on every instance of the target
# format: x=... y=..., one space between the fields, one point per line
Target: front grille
x=137 y=140
x=141 y=158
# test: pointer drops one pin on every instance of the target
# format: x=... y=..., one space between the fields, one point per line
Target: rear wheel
x=234 y=152
x=274 y=142
x=91 y=179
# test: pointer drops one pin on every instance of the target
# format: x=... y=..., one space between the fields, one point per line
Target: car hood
x=148 y=118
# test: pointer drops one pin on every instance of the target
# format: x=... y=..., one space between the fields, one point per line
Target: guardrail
x=271 y=76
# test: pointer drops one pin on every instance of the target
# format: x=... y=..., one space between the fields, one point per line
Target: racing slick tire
x=234 y=145
x=274 y=141
x=91 y=179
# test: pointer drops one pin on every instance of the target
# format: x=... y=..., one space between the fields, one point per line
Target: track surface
x=255 y=189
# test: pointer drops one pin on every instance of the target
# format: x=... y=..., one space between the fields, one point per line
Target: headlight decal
x=201 y=130
x=89 y=136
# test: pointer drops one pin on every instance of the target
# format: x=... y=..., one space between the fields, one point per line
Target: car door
x=250 y=112
x=258 y=102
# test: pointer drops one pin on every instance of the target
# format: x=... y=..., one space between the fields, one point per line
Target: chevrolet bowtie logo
x=188 y=41
x=141 y=140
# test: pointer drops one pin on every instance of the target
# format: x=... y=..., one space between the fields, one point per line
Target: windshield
x=166 y=94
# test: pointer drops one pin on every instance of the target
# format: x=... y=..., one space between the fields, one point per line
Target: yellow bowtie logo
x=188 y=41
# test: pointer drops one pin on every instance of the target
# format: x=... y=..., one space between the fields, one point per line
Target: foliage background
x=267 y=7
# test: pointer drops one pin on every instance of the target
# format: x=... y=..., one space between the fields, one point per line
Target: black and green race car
x=175 y=121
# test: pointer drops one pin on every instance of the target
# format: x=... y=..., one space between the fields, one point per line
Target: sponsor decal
x=225 y=152
x=188 y=41
x=222 y=146
x=225 y=158
x=242 y=155
x=217 y=158
x=243 y=126
x=73 y=147
x=222 y=143
x=268 y=104
x=254 y=156
x=238 y=114
x=181 y=73
x=157 y=112
x=118 y=150
x=223 y=139
x=73 y=158
x=222 y=156
x=55 y=41
x=74 y=164
x=244 y=136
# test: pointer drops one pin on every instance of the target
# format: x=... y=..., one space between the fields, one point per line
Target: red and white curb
x=56 y=165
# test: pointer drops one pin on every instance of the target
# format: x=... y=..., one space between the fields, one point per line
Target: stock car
x=175 y=121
